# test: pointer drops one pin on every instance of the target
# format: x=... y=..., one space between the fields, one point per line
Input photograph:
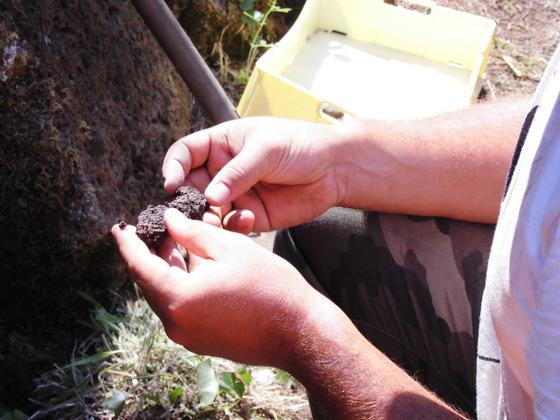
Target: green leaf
x=206 y=383
x=227 y=382
x=107 y=320
x=115 y=402
x=249 y=19
x=90 y=299
x=284 y=378
x=246 y=5
x=96 y=358
x=175 y=394
x=278 y=9
x=245 y=376
x=242 y=77
x=232 y=384
x=12 y=415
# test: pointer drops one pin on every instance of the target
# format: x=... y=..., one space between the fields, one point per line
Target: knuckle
x=174 y=313
x=237 y=172
x=175 y=149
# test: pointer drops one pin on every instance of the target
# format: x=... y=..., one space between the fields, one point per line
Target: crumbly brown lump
x=151 y=226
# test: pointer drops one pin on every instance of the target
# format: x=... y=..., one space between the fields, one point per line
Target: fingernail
x=172 y=174
x=218 y=193
x=172 y=180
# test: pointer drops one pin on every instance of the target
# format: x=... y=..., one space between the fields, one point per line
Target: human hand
x=264 y=173
x=241 y=302
x=237 y=300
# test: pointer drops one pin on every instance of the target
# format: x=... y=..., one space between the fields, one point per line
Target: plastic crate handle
x=332 y=113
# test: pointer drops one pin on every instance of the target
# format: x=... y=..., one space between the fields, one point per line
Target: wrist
x=322 y=332
x=352 y=160
x=344 y=139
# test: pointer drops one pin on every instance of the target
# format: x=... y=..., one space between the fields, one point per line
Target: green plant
x=128 y=368
x=7 y=414
x=256 y=20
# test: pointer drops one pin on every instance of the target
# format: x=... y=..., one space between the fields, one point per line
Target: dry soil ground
x=527 y=33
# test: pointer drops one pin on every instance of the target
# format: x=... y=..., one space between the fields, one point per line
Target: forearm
x=453 y=165
x=350 y=379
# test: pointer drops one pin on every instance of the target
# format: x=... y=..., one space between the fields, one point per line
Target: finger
x=195 y=262
x=169 y=252
x=199 y=178
x=241 y=221
x=197 y=237
x=238 y=175
x=189 y=152
x=151 y=272
x=254 y=201
x=173 y=176
x=176 y=166
x=212 y=218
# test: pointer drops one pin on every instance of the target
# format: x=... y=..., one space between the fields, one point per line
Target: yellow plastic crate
x=370 y=59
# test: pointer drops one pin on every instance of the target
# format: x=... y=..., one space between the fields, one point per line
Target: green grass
x=128 y=368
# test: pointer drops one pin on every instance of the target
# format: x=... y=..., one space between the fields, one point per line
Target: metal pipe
x=186 y=59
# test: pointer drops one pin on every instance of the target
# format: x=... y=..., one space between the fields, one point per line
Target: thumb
x=202 y=239
x=238 y=176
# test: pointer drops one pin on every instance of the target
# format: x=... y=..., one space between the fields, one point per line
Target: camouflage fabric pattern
x=412 y=285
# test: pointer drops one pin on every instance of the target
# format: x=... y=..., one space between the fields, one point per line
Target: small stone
x=151 y=226
x=190 y=202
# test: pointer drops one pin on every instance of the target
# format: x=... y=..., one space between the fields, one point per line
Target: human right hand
x=264 y=173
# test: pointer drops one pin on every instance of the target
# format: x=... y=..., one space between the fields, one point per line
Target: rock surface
x=88 y=106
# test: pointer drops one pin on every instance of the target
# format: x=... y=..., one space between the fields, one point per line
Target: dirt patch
x=527 y=34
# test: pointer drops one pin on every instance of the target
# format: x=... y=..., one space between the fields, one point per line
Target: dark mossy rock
x=88 y=106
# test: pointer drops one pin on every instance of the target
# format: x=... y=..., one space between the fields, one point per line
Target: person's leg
x=412 y=286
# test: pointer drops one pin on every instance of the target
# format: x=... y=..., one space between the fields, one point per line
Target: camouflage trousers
x=412 y=286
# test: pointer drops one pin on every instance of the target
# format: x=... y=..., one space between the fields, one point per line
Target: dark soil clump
x=190 y=202
x=151 y=226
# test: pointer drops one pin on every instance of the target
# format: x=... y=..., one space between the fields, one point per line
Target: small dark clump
x=151 y=226
x=190 y=202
